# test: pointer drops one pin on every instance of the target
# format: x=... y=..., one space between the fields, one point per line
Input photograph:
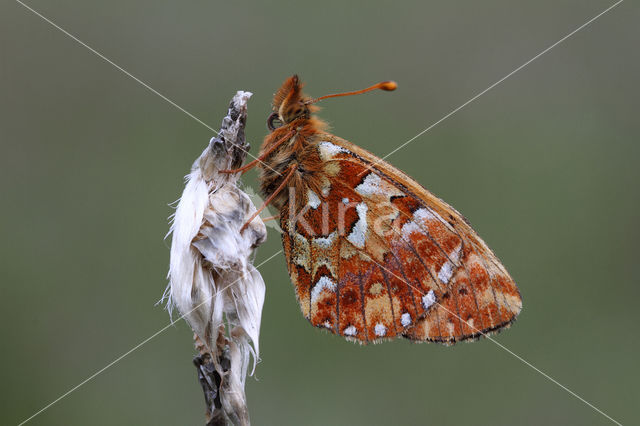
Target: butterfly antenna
x=383 y=85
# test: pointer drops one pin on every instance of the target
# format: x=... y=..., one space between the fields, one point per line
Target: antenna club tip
x=388 y=85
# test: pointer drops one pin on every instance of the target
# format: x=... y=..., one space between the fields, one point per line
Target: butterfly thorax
x=299 y=150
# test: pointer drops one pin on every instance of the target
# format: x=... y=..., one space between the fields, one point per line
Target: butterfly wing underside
x=375 y=256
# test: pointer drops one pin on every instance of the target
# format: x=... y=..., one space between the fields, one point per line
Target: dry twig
x=212 y=280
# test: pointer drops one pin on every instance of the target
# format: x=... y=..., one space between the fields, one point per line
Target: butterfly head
x=290 y=104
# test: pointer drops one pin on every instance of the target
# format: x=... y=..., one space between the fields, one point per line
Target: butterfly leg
x=274 y=217
x=261 y=158
x=279 y=189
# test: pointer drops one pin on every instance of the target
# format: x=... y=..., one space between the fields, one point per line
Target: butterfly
x=371 y=253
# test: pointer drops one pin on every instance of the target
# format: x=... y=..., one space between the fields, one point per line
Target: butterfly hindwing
x=374 y=255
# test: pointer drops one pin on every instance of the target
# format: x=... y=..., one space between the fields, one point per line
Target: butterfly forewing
x=374 y=255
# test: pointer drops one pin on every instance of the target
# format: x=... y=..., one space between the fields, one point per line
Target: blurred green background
x=545 y=166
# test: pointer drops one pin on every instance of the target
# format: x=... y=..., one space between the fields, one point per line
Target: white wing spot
x=327 y=324
x=325 y=242
x=445 y=273
x=419 y=216
x=423 y=214
x=405 y=319
x=322 y=284
x=329 y=150
x=357 y=235
x=345 y=201
x=428 y=299
x=371 y=185
x=380 y=329
x=350 y=331
x=411 y=227
x=313 y=200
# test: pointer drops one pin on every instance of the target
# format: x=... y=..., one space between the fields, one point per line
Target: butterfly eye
x=273 y=122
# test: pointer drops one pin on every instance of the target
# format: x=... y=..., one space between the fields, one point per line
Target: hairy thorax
x=299 y=151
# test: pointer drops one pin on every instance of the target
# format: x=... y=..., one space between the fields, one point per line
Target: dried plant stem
x=212 y=280
x=211 y=380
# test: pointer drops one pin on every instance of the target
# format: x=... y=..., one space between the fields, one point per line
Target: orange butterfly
x=371 y=253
